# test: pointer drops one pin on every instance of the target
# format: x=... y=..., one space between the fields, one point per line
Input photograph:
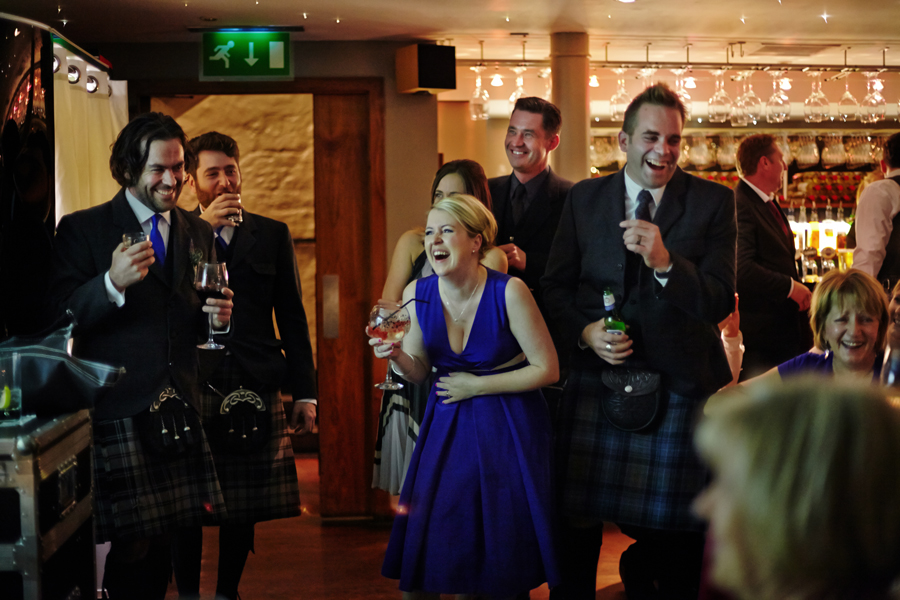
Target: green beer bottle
x=613 y=321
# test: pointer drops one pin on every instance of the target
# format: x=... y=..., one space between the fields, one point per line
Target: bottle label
x=609 y=301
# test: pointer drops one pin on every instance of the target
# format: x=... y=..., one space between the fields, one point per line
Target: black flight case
x=46 y=518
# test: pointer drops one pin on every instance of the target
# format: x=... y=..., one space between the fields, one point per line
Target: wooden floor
x=307 y=559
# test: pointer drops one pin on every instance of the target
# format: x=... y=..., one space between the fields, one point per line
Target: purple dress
x=476 y=510
x=812 y=362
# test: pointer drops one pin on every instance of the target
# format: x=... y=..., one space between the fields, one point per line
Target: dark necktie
x=776 y=213
x=159 y=247
x=642 y=212
x=221 y=243
x=518 y=203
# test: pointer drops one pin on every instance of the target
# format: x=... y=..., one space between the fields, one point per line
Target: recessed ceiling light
x=825 y=16
x=626 y=1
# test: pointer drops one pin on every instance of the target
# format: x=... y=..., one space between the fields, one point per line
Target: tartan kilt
x=139 y=494
x=648 y=479
x=260 y=485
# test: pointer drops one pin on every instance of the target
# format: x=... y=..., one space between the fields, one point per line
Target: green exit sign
x=245 y=56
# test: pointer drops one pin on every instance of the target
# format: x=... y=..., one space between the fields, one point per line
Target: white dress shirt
x=878 y=204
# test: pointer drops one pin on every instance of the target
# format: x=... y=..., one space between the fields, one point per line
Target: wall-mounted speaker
x=426 y=68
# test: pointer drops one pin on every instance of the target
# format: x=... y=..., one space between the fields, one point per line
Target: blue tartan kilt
x=260 y=485
x=648 y=479
x=139 y=494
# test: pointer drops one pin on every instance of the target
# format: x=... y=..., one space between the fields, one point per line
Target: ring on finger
x=609 y=347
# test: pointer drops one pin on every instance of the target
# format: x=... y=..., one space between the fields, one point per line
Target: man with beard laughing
x=136 y=307
x=663 y=242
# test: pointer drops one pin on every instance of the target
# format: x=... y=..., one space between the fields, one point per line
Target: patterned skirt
x=139 y=494
x=259 y=485
x=648 y=479
x=398 y=431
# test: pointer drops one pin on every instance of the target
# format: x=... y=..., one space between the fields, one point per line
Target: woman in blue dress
x=476 y=509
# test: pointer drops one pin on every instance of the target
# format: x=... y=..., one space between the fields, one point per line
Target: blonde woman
x=475 y=514
x=402 y=410
x=805 y=500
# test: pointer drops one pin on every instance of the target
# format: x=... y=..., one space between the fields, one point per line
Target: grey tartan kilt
x=139 y=494
x=261 y=485
x=645 y=479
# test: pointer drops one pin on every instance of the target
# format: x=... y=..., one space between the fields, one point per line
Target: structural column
x=569 y=56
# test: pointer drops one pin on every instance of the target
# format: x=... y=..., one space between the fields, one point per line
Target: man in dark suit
x=773 y=301
x=259 y=484
x=528 y=202
x=664 y=243
x=136 y=307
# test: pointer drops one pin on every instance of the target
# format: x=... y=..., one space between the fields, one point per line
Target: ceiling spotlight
x=742 y=20
x=507 y=19
x=690 y=82
x=496 y=80
x=593 y=82
x=626 y=1
x=64 y=21
x=825 y=16
x=338 y=20
x=304 y=15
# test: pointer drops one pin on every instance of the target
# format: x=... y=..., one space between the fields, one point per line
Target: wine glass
x=209 y=280
x=848 y=106
x=720 y=104
x=816 y=107
x=519 y=92
x=874 y=104
x=478 y=103
x=389 y=322
x=620 y=100
x=739 y=115
x=778 y=108
x=681 y=92
x=646 y=75
x=753 y=104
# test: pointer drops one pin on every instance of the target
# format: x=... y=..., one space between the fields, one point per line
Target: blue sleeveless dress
x=476 y=511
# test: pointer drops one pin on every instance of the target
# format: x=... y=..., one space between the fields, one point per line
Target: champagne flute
x=389 y=323
x=209 y=281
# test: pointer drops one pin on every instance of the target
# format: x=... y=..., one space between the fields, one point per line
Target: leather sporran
x=170 y=427
x=242 y=424
x=631 y=398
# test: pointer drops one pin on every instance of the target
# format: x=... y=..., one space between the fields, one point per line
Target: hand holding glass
x=389 y=323
x=133 y=238
x=209 y=281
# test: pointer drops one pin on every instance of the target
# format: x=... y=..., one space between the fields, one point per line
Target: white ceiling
x=667 y=25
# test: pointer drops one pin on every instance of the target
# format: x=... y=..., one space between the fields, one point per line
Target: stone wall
x=275 y=136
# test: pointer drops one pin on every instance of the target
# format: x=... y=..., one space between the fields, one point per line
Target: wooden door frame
x=335 y=410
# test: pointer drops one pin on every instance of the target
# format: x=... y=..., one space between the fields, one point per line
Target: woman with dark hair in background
x=402 y=410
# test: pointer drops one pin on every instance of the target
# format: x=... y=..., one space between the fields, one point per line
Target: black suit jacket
x=263 y=275
x=154 y=335
x=679 y=321
x=770 y=321
x=535 y=232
